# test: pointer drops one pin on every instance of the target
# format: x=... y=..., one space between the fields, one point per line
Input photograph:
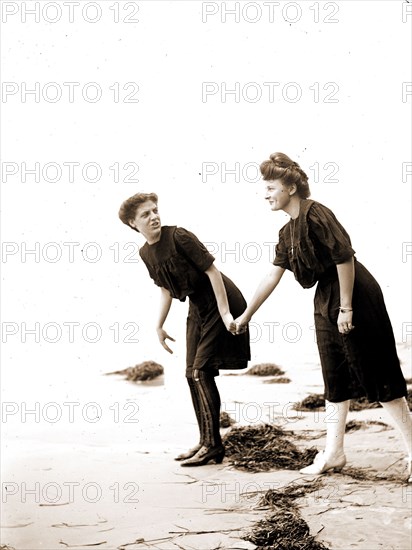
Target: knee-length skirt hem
x=209 y=345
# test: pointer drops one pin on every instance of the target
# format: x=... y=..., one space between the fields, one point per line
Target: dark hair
x=129 y=207
x=281 y=167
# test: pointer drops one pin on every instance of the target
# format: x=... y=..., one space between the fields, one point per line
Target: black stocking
x=197 y=407
x=209 y=400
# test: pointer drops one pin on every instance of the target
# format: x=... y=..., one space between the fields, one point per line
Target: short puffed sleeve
x=281 y=252
x=331 y=237
x=189 y=246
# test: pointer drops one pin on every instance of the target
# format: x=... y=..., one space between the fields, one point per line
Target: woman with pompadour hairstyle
x=354 y=334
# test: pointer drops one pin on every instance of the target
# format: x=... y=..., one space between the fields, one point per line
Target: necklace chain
x=292 y=234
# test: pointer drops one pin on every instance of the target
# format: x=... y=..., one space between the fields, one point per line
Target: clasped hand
x=237 y=326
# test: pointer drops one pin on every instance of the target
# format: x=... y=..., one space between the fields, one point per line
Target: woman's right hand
x=242 y=323
x=162 y=335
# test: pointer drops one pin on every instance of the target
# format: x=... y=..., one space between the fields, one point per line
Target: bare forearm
x=219 y=290
x=164 y=307
x=264 y=290
x=346 y=276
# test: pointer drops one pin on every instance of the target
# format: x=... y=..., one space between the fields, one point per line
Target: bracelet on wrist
x=345 y=309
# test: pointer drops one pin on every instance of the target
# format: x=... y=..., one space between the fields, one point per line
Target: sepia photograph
x=206 y=250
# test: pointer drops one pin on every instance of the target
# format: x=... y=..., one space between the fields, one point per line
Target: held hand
x=241 y=324
x=162 y=335
x=345 y=322
x=229 y=323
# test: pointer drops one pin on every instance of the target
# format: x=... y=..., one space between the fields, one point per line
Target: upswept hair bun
x=280 y=166
x=129 y=207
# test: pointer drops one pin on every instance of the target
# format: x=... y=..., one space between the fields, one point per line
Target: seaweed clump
x=316 y=401
x=226 y=420
x=265 y=369
x=312 y=402
x=148 y=370
x=284 y=528
x=362 y=403
x=265 y=447
x=277 y=380
x=354 y=425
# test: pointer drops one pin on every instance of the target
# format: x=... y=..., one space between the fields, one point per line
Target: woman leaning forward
x=183 y=268
x=354 y=334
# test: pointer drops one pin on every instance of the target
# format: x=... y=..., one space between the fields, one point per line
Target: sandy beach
x=104 y=476
x=101 y=100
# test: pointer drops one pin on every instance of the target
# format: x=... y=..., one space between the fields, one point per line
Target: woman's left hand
x=345 y=322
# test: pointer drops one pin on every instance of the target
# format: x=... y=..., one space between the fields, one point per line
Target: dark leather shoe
x=189 y=453
x=205 y=455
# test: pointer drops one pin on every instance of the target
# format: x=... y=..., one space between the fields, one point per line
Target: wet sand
x=111 y=481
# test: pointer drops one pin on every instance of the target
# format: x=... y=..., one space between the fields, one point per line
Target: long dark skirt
x=363 y=363
x=209 y=345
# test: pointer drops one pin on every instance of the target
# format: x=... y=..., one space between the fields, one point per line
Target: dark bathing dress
x=177 y=262
x=363 y=363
